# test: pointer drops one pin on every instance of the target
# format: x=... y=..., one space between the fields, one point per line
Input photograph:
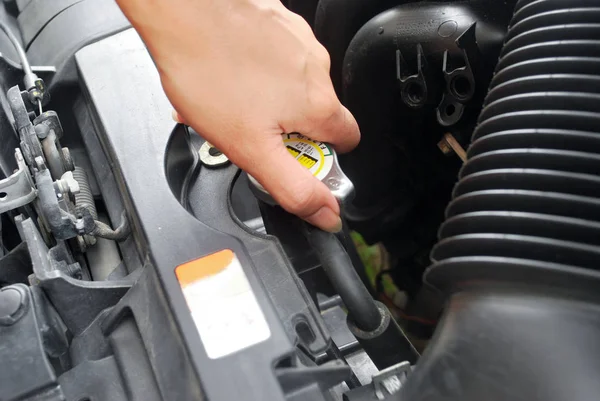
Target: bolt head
x=70 y=183
x=42 y=131
x=80 y=225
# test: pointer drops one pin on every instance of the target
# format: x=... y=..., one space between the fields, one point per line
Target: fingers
x=341 y=130
x=293 y=186
x=327 y=120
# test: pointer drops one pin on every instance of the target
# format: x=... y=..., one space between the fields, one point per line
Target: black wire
x=17 y=45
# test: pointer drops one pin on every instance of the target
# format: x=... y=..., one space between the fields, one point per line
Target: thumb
x=294 y=187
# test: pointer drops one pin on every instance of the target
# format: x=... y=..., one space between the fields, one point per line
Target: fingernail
x=326 y=219
x=175 y=116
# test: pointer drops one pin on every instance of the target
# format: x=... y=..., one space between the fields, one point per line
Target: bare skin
x=241 y=73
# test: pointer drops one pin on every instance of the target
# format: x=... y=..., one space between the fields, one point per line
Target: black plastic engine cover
x=397 y=73
x=137 y=141
x=132 y=119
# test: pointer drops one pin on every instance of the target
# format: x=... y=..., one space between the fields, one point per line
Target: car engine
x=138 y=263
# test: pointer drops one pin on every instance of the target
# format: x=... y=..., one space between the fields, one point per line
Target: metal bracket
x=18 y=189
x=13 y=72
x=78 y=302
x=60 y=220
x=30 y=144
x=389 y=381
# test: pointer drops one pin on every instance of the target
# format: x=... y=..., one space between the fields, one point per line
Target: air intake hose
x=519 y=253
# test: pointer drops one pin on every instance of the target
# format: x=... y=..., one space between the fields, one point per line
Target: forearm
x=161 y=23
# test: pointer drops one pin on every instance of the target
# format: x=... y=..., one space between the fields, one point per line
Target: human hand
x=241 y=73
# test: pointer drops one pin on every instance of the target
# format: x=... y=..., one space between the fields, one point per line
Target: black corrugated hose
x=519 y=253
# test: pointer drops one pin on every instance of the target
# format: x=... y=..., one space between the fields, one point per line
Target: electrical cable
x=18 y=47
x=33 y=84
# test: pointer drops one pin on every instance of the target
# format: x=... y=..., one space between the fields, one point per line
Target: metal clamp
x=389 y=381
x=18 y=189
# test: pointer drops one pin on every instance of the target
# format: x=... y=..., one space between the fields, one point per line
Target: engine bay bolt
x=68 y=183
x=42 y=131
x=80 y=225
x=12 y=301
x=211 y=156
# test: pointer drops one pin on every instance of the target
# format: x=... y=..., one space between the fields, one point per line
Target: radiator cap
x=320 y=159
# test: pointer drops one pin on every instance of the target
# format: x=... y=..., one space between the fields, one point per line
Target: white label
x=223 y=306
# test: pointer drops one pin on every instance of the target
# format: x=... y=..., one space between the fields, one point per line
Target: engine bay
x=138 y=263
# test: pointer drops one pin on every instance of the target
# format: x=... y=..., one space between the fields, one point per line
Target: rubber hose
x=346 y=239
x=338 y=267
x=389 y=185
x=336 y=23
x=536 y=147
x=519 y=252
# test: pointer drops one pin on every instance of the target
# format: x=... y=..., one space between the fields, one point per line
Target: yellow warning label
x=314 y=156
x=307 y=161
x=294 y=152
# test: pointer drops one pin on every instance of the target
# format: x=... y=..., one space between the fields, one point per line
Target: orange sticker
x=198 y=269
x=222 y=303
